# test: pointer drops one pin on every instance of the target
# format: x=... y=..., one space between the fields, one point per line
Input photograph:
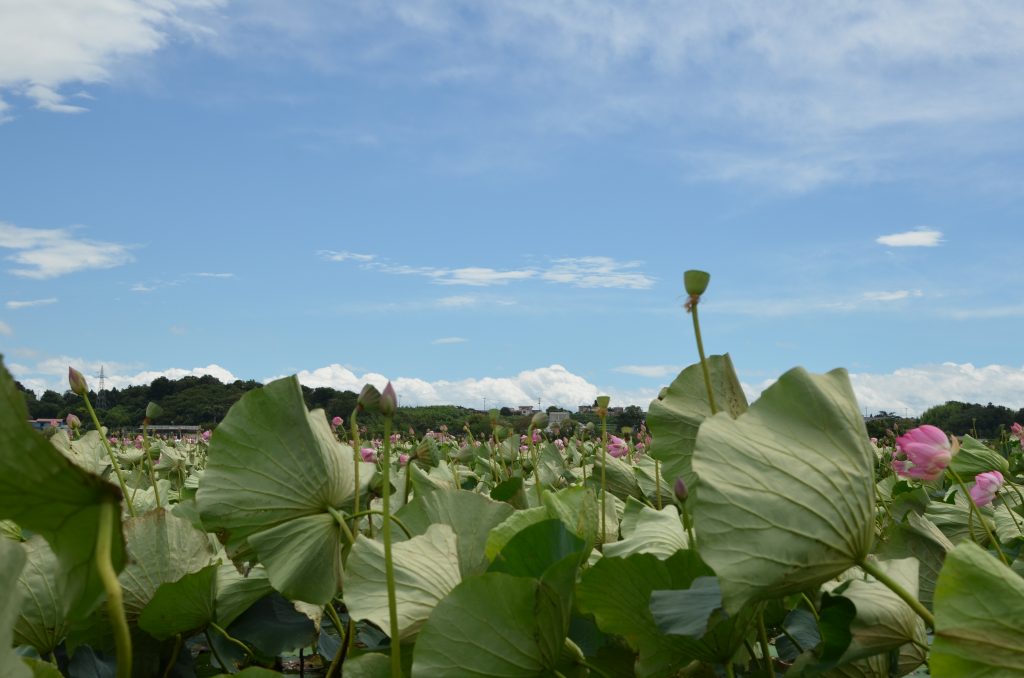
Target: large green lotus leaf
x=617 y=591
x=502 y=533
x=183 y=605
x=426 y=569
x=471 y=516
x=620 y=479
x=162 y=548
x=648 y=476
x=974 y=458
x=787 y=493
x=42 y=622
x=491 y=625
x=302 y=557
x=956 y=522
x=676 y=415
x=43 y=491
x=274 y=468
x=88 y=452
x=883 y=621
x=646 y=530
x=12 y=560
x=536 y=548
x=979 y=617
x=237 y=592
x=369 y=665
x=579 y=508
x=918 y=537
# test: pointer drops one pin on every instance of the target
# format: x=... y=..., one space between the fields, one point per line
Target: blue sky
x=498 y=200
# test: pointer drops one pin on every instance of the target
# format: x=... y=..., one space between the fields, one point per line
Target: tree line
x=204 y=401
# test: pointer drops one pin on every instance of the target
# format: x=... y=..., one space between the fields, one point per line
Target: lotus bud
x=680 y=489
x=73 y=422
x=986 y=486
x=388 y=401
x=153 y=411
x=368 y=399
x=540 y=420
x=77 y=382
x=337 y=422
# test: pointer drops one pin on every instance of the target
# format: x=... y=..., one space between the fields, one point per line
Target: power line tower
x=101 y=399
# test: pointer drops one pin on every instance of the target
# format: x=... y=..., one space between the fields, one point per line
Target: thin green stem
x=729 y=672
x=810 y=606
x=657 y=481
x=875 y=571
x=1010 y=511
x=762 y=635
x=703 y=360
x=536 y=466
x=336 y=662
x=115 y=596
x=149 y=460
x=174 y=656
x=984 y=523
x=389 y=565
x=341 y=523
x=604 y=492
x=355 y=463
x=405 y=528
x=213 y=650
x=110 y=452
x=231 y=639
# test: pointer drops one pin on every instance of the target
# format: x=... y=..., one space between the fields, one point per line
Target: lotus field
x=726 y=538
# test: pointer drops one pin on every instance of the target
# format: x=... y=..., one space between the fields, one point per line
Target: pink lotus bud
x=680 y=489
x=536 y=436
x=559 y=444
x=617 y=447
x=138 y=442
x=640 y=447
x=1018 y=430
x=395 y=437
x=206 y=436
x=73 y=422
x=523 y=439
x=77 y=382
x=927 y=450
x=368 y=455
x=874 y=441
x=523 y=449
x=403 y=459
x=336 y=422
x=388 y=401
x=986 y=485
x=113 y=440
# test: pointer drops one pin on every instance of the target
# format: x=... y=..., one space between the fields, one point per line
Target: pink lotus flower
x=403 y=459
x=559 y=444
x=336 y=422
x=523 y=449
x=369 y=455
x=928 y=453
x=1018 y=431
x=986 y=485
x=206 y=436
x=617 y=447
x=536 y=436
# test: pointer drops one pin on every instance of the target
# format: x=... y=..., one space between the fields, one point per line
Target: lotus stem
x=875 y=571
x=703 y=359
x=110 y=453
x=355 y=464
x=604 y=492
x=762 y=634
x=174 y=656
x=403 y=526
x=389 y=565
x=149 y=460
x=657 y=482
x=115 y=596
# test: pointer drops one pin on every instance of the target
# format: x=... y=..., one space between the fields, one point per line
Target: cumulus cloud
x=921 y=237
x=915 y=389
x=50 y=253
x=14 y=305
x=553 y=385
x=45 y=46
x=52 y=373
x=450 y=340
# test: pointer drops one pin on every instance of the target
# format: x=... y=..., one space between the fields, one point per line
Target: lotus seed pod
x=696 y=282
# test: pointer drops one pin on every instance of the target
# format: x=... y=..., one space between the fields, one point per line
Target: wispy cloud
x=30 y=303
x=139 y=287
x=895 y=295
x=50 y=253
x=450 y=340
x=457 y=301
x=921 y=237
x=215 y=275
x=575 y=271
x=787 y=306
x=331 y=255
x=5 y=329
x=652 y=371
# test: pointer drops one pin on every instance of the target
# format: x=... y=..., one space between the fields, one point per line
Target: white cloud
x=30 y=303
x=653 y=371
x=215 y=275
x=921 y=237
x=586 y=272
x=915 y=389
x=598 y=272
x=450 y=340
x=554 y=385
x=47 y=45
x=5 y=329
x=139 y=287
x=52 y=373
x=457 y=301
x=50 y=253
x=331 y=255
x=895 y=295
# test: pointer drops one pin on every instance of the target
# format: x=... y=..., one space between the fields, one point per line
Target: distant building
x=524 y=410
x=43 y=424
x=585 y=409
x=556 y=418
